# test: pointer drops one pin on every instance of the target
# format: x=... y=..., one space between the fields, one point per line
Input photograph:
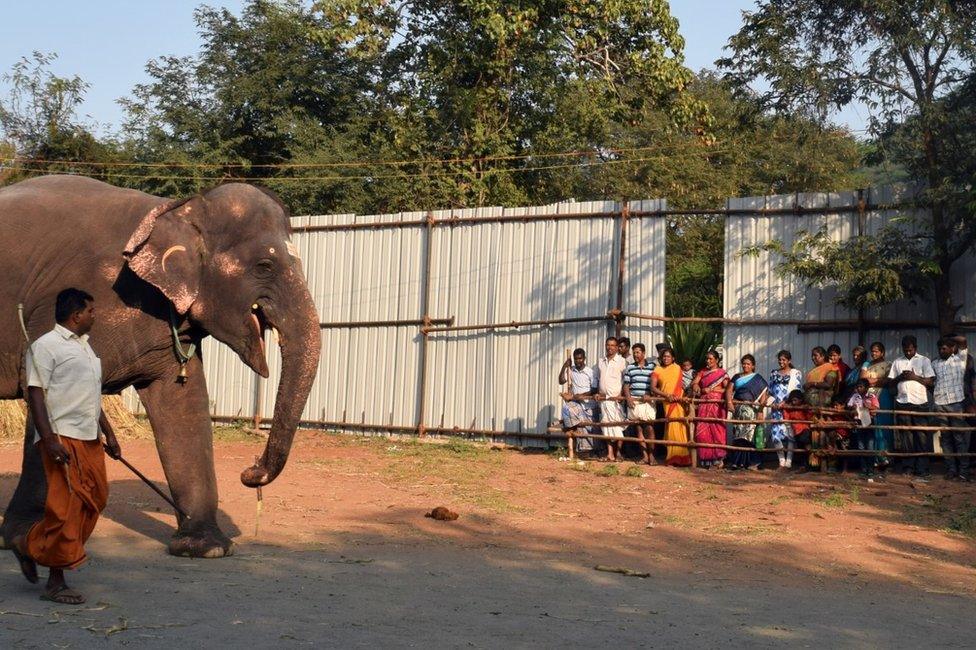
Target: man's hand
x=112 y=447
x=56 y=450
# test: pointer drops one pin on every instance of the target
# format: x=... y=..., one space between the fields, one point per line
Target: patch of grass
x=609 y=470
x=778 y=500
x=579 y=466
x=460 y=469
x=834 y=500
x=964 y=521
x=231 y=433
x=635 y=471
x=841 y=498
x=742 y=530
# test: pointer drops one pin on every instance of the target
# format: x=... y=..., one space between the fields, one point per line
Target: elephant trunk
x=300 y=345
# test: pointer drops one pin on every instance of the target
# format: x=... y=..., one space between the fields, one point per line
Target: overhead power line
x=400 y=175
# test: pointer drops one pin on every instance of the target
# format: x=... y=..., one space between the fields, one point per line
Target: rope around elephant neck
x=183 y=355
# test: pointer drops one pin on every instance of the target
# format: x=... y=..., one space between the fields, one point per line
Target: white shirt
x=949 y=377
x=912 y=392
x=584 y=381
x=62 y=363
x=611 y=375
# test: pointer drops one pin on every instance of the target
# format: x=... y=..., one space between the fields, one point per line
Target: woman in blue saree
x=750 y=390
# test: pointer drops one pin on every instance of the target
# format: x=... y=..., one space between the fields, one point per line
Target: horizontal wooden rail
x=404 y=322
x=797 y=210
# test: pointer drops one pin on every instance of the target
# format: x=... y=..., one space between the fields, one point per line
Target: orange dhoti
x=58 y=540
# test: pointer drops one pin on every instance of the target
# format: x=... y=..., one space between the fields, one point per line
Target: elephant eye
x=264 y=268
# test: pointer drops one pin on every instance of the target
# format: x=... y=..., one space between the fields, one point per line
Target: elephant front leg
x=184 y=438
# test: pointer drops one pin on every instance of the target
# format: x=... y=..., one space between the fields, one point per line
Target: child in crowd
x=793 y=411
x=687 y=374
x=862 y=405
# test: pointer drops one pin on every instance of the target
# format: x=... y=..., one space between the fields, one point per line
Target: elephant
x=220 y=263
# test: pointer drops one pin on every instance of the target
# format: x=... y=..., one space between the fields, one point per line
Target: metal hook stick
x=151 y=485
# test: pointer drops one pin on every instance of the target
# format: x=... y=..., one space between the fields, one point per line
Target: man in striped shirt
x=950 y=396
x=637 y=384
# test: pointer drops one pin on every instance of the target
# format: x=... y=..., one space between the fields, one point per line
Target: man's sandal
x=63 y=595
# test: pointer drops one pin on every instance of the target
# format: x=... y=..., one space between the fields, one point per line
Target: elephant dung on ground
x=220 y=263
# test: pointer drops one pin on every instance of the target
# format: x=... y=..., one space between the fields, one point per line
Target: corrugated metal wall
x=754 y=289
x=480 y=273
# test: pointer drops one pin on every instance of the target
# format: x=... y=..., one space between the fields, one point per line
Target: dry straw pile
x=13 y=417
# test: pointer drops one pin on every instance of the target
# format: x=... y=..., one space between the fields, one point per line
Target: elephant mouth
x=259 y=323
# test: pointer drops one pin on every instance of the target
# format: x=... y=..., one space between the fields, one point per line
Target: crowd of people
x=872 y=404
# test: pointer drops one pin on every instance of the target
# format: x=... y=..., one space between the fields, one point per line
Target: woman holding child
x=819 y=389
x=782 y=381
x=876 y=374
x=709 y=385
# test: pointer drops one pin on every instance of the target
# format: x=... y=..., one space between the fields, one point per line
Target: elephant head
x=226 y=259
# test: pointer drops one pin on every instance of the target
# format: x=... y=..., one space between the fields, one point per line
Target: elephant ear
x=166 y=250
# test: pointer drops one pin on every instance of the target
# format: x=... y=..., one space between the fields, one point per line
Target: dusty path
x=344 y=557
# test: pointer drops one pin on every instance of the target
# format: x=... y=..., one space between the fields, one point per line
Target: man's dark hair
x=579 y=351
x=623 y=340
x=638 y=346
x=946 y=341
x=70 y=301
x=909 y=340
x=862 y=382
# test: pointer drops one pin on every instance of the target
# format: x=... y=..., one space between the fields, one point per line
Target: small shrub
x=609 y=470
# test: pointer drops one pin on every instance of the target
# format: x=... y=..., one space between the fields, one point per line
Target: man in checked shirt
x=950 y=396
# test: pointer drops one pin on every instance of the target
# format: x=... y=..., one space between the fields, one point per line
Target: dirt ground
x=344 y=556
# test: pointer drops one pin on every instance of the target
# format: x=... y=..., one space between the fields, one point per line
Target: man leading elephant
x=165 y=274
x=65 y=400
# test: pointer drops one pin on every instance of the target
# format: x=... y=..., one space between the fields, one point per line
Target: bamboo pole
x=425 y=328
x=405 y=322
x=569 y=389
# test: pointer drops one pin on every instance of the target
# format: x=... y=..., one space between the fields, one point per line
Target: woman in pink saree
x=710 y=385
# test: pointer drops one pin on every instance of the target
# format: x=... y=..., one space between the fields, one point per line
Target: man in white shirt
x=610 y=375
x=578 y=404
x=64 y=395
x=950 y=397
x=913 y=375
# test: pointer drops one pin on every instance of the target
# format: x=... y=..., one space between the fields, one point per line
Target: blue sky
x=108 y=42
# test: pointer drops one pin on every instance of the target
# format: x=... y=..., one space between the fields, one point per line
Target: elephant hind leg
x=27 y=503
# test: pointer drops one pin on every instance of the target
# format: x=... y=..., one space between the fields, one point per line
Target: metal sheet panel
x=754 y=289
x=480 y=273
x=541 y=270
x=644 y=273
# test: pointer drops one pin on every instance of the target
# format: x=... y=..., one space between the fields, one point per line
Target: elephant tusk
x=170 y=251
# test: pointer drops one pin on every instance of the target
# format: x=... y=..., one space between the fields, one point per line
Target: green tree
x=901 y=58
x=462 y=82
x=261 y=92
x=39 y=125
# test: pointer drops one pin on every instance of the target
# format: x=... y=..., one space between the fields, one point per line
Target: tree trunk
x=945 y=309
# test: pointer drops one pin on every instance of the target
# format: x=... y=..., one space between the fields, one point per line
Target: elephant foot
x=208 y=543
